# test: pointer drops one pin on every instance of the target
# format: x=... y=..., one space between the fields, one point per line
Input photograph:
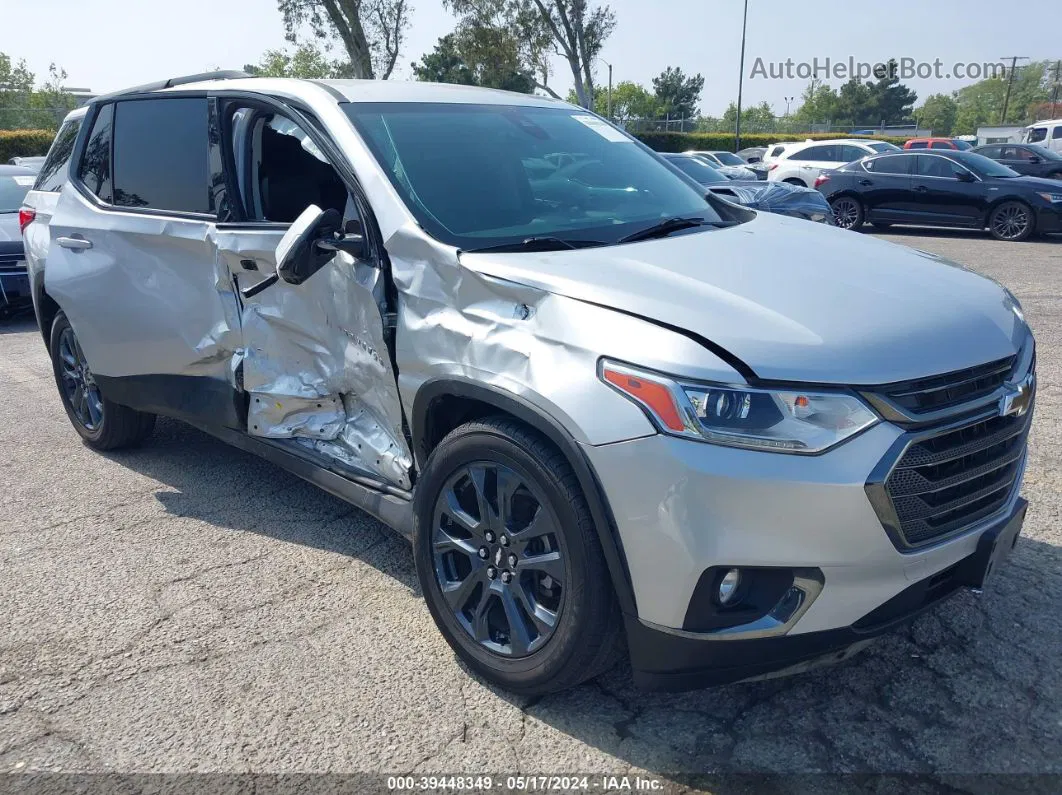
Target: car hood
x=795 y=301
x=1032 y=183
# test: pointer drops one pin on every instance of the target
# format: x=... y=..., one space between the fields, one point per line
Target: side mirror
x=311 y=242
x=1034 y=158
x=963 y=175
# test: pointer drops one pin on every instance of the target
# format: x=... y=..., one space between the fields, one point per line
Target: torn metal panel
x=324 y=339
x=283 y=417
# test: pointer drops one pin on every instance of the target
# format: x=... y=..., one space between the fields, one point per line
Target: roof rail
x=158 y=85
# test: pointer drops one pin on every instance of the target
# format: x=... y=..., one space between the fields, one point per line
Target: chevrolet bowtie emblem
x=1018 y=397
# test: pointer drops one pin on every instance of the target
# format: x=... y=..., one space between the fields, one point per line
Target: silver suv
x=611 y=414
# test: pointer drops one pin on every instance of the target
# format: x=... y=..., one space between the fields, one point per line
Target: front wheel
x=509 y=560
x=1011 y=221
x=848 y=212
x=102 y=424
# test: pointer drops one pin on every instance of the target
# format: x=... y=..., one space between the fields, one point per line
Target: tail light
x=25 y=218
x=772 y=166
x=822 y=179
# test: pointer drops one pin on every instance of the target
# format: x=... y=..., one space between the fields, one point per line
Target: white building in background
x=999 y=134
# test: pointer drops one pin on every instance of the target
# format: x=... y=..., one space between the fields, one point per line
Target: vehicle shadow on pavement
x=958 y=234
x=974 y=686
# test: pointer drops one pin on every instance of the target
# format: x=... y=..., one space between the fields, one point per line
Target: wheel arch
x=1003 y=200
x=443 y=404
x=45 y=308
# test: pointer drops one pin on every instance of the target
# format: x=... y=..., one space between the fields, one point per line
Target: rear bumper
x=667 y=659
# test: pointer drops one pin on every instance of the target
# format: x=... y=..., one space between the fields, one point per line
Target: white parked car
x=732 y=167
x=801 y=165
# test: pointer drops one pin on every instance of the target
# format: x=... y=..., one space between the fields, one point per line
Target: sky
x=105 y=45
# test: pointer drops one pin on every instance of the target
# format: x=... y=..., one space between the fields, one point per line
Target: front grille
x=946 y=482
x=12 y=262
x=938 y=392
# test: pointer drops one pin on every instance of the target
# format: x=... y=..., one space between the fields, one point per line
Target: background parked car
x=731 y=165
x=775 y=151
x=802 y=165
x=945 y=188
x=770 y=197
x=15 y=183
x=736 y=169
x=753 y=154
x=1028 y=159
x=1046 y=133
x=34 y=164
x=938 y=143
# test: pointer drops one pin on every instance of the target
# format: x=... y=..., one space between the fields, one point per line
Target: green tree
x=982 y=102
x=758 y=118
x=24 y=106
x=676 y=94
x=477 y=56
x=371 y=32
x=937 y=113
x=819 y=104
x=574 y=29
x=307 y=61
x=629 y=101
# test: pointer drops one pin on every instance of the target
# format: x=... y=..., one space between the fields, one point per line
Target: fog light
x=728 y=586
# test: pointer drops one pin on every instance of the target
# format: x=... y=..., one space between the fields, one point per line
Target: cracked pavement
x=186 y=607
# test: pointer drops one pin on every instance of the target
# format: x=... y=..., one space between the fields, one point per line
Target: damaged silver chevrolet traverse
x=612 y=415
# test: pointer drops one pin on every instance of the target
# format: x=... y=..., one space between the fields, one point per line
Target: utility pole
x=606 y=63
x=1010 y=81
x=741 y=77
x=1055 y=89
x=787 y=101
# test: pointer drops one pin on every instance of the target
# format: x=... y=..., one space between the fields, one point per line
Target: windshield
x=881 y=146
x=1037 y=134
x=962 y=145
x=983 y=166
x=696 y=168
x=728 y=159
x=478 y=176
x=13 y=190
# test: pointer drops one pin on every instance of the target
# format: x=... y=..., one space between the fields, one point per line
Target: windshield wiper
x=546 y=243
x=669 y=225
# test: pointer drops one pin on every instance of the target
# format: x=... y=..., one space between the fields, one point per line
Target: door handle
x=865 y=182
x=921 y=188
x=74 y=243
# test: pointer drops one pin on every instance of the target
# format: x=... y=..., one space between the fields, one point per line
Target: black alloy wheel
x=848 y=212
x=499 y=559
x=79 y=387
x=1011 y=221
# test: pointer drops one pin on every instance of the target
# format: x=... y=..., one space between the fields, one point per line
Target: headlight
x=1054 y=198
x=779 y=420
x=1013 y=303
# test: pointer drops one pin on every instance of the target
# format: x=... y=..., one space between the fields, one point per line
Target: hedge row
x=680 y=142
x=24 y=143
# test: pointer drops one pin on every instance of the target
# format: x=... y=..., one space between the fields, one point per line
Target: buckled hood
x=794 y=300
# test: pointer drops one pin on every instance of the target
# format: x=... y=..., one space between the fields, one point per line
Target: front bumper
x=1049 y=219
x=683 y=508
x=665 y=659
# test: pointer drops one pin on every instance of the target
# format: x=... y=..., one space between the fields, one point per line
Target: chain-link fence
x=780 y=125
x=22 y=118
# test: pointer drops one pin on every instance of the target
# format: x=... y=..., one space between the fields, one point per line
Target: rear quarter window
x=56 y=168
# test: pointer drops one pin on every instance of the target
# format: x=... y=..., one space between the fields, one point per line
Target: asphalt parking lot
x=187 y=607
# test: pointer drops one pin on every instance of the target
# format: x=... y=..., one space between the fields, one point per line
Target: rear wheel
x=1011 y=221
x=102 y=424
x=509 y=560
x=847 y=212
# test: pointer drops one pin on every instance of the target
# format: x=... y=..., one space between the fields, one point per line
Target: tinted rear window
x=95 y=167
x=56 y=169
x=160 y=154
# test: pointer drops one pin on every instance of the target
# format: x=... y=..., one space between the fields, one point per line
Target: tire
x=102 y=424
x=794 y=181
x=882 y=225
x=489 y=631
x=1011 y=221
x=848 y=212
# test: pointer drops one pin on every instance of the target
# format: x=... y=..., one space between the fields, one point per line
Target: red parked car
x=938 y=143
